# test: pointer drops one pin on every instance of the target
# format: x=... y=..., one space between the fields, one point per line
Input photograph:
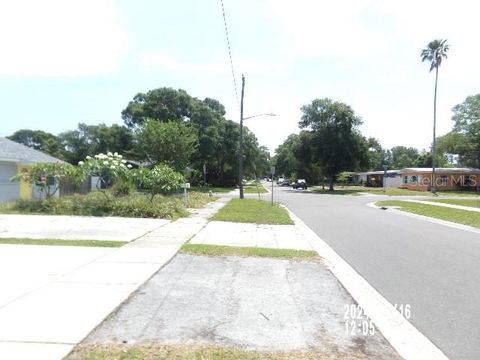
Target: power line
x=229 y=50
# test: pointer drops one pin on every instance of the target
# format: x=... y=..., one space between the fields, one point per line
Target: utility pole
x=240 y=153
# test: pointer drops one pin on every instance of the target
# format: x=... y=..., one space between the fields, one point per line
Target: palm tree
x=435 y=51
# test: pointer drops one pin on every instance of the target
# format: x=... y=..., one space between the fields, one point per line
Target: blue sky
x=65 y=62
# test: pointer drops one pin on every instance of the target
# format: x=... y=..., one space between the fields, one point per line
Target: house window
x=414 y=178
x=405 y=179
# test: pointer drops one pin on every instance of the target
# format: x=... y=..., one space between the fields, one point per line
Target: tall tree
x=434 y=53
x=171 y=143
x=338 y=144
x=93 y=139
x=39 y=140
x=217 y=136
x=464 y=139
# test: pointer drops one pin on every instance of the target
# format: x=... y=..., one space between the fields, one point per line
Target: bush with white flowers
x=109 y=168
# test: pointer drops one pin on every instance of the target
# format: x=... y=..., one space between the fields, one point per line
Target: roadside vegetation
x=59 y=242
x=463 y=217
x=213 y=189
x=253 y=211
x=359 y=190
x=172 y=352
x=120 y=190
x=218 y=250
x=255 y=189
x=462 y=202
x=96 y=204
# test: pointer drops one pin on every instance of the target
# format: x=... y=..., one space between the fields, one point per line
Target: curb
x=426 y=218
x=409 y=343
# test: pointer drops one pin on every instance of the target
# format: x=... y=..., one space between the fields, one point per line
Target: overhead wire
x=229 y=51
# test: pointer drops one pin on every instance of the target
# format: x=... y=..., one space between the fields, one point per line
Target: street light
x=240 y=155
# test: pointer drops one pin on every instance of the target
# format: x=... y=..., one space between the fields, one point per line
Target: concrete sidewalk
x=76 y=227
x=52 y=297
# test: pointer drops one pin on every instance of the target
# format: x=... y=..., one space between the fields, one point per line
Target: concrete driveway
x=76 y=227
x=248 y=303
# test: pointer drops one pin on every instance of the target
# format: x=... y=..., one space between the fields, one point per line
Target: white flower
x=129 y=166
x=109 y=153
x=112 y=167
x=124 y=161
x=115 y=154
x=88 y=157
x=105 y=163
x=81 y=163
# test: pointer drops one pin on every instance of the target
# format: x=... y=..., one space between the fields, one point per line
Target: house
x=445 y=179
x=375 y=178
x=14 y=157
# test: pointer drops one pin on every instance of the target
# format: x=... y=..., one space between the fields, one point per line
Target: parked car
x=285 y=182
x=300 y=184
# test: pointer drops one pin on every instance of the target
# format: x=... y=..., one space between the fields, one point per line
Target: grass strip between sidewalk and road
x=253 y=211
x=184 y=352
x=475 y=203
x=252 y=189
x=60 y=242
x=219 y=250
x=463 y=217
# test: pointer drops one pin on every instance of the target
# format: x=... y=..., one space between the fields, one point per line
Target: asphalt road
x=433 y=268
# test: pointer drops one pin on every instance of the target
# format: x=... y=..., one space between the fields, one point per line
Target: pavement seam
x=426 y=218
x=405 y=338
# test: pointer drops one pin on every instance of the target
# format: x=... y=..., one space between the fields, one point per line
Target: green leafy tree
x=163 y=104
x=400 y=157
x=217 y=137
x=338 y=144
x=39 y=140
x=464 y=139
x=434 y=53
x=376 y=155
x=88 y=140
x=172 y=143
x=161 y=180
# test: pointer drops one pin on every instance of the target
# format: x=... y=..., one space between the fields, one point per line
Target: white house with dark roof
x=13 y=157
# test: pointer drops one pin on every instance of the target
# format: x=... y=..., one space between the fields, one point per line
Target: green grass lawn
x=253 y=211
x=461 y=202
x=356 y=190
x=58 y=242
x=217 y=250
x=464 y=217
x=179 y=352
x=206 y=189
x=252 y=189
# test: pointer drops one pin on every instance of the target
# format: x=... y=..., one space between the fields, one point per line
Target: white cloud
x=315 y=28
x=60 y=38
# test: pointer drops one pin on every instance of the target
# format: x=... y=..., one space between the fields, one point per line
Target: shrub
x=96 y=204
x=48 y=177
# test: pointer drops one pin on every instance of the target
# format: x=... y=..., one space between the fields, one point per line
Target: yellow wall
x=25 y=188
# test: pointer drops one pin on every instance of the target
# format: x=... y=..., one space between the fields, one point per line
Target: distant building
x=375 y=178
x=445 y=179
x=14 y=157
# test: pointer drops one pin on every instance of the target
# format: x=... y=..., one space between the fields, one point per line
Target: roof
x=15 y=152
x=379 y=172
x=443 y=170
